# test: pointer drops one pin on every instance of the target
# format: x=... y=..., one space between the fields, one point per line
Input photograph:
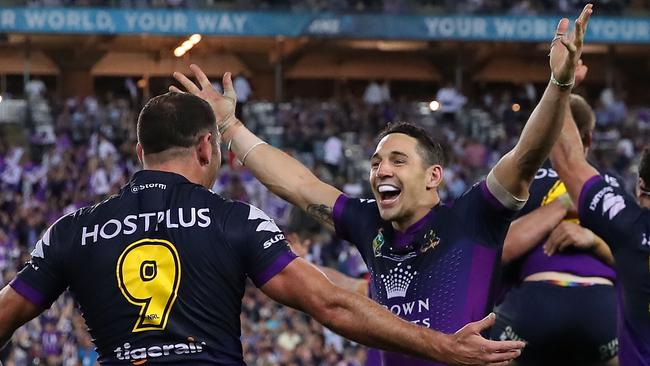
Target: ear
x=434 y=176
x=140 y=152
x=589 y=139
x=204 y=149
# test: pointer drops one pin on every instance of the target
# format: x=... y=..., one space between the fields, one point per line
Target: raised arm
x=529 y=230
x=568 y=159
x=302 y=286
x=282 y=174
x=515 y=171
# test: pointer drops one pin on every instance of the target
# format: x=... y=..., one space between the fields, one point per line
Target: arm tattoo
x=322 y=213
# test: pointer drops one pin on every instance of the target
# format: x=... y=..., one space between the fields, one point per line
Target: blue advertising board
x=366 y=26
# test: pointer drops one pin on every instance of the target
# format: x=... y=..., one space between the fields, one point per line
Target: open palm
x=223 y=105
x=564 y=60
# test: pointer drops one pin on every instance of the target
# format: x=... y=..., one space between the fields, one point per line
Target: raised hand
x=564 y=60
x=470 y=348
x=223 y=105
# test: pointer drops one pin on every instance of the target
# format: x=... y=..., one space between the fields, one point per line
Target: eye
x=399 y=162
x=374 y=164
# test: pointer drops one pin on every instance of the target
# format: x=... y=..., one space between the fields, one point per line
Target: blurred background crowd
x=70 y=152
x=91 y=155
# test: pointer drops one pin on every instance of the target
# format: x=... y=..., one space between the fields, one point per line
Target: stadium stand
x=94 y=154
x=89 y=151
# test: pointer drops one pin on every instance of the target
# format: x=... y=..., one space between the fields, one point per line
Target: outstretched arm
x=15 y=311
x=358 y=285
x=515 y=171
x=302 y=286
x=282 y=174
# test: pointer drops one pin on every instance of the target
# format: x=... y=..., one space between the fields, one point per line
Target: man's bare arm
x=515 y=171
x=529 y=230
x=568 y=159
x=281 y=173
x=302 y=286
x=569 y=234
x=15 y=311
x=357 y=285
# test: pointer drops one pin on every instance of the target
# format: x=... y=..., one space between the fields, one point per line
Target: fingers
x=585 y=16
x=228 y=88
x=485 y=323
x=174 y=89
x=200 y=77
x=562 y=27
x=187 y=83
x=581 y=25
x=504 y=363
x=502 y=358
x=503 y=347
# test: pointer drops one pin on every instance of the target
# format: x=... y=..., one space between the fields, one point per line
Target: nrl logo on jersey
x=431 y=241
x=378 y=242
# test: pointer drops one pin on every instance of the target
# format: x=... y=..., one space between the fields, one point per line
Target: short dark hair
x=174 y=120
x=583 y=116
x=430 y=150
x=644 y=167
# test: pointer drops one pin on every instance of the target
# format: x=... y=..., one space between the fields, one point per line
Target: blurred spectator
x=451 y=101
x=88 y=159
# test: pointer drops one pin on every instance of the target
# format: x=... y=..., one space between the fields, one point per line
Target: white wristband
x=243 y=159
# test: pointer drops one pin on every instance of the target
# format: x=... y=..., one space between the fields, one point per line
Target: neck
x=178 y=166
x=421 y=211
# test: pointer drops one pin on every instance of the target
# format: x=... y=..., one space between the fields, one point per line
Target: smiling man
x=429 y=263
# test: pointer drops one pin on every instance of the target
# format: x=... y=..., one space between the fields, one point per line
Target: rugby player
x=564 y=303
x=429 y=263
x=624 y=223
x=159 y=269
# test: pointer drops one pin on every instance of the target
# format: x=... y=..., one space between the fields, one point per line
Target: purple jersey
x=440 y=272
x=611 y=213
x=159 y=270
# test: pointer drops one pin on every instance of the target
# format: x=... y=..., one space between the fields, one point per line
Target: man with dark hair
x=430 y=263
x=548 y=255
x=159 y=269
x=430 y=150
x=624 y=223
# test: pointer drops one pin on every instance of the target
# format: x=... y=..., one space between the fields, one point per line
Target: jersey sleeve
x=258 y=242
x=486 y=217
x=354 y=218
x=607 y=209
x=42 y=280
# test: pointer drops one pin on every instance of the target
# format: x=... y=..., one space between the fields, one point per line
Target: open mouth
x=388 y=193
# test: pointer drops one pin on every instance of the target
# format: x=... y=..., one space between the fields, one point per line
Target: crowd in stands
x=519 y=7
x=91 y=155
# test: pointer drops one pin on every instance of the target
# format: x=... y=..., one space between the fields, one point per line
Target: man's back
x=158 y=270
x=613 y=214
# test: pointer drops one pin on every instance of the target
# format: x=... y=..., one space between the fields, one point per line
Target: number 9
x=148 y=274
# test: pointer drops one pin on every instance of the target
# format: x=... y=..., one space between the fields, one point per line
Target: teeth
x=387 y=188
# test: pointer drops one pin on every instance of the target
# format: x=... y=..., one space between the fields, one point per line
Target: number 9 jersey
x=159 y=270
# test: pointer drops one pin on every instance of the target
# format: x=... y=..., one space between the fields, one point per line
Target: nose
x=384 y=170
